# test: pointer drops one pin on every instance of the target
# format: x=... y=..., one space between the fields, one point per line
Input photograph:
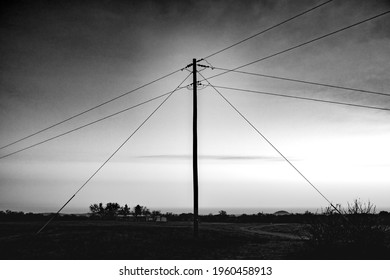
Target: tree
x=97 y=209
x=156 y=213
x=137 y=210
x=222 y=213
x=125 y=211
x=112 y=209
x=141 y=210
x=145 y=211
x=94 y=208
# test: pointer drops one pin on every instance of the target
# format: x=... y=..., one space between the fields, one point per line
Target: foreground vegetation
x=119 y=240
x=355 y=231
x=360 y=233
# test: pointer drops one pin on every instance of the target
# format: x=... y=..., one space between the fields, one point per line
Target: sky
x=60 y=58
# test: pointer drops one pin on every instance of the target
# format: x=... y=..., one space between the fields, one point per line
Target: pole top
x=194 y=61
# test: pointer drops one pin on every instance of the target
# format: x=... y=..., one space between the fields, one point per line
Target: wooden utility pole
x=195 y=149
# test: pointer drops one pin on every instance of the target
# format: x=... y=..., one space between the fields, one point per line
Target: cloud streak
x=213 y=157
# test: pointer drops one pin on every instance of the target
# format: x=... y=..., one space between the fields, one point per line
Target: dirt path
x=258 y=229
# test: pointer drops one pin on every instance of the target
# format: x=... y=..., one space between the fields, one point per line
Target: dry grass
x=128 y=240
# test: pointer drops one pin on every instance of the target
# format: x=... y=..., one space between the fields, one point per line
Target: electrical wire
x=108 y=159
x=85 y=125
x=90 y=109
x=302 y=44
x=305 y=98
x=268 y=29
x=304 y=82
x=273 y=146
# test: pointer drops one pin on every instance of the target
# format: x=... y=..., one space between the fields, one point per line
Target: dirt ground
x=130 y=240
x=119 y=240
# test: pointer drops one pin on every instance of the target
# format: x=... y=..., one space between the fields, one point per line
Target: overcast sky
x=59 y=58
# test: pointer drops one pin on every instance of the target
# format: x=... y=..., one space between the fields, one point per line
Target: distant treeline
x=108 y=213
x=382 y=217
x=113 y=210
x=9 y=215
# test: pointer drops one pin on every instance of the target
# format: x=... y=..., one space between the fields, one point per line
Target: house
x=161 y=219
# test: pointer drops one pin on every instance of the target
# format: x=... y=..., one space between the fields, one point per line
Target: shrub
x=356 y=234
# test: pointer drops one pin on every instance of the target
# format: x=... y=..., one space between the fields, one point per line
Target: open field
x=89 y=239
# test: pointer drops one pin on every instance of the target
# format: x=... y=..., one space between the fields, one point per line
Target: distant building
x=126 y=218
x=161 y=219
x=142 y=218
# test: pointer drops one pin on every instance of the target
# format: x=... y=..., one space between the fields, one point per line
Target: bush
x=356 y=234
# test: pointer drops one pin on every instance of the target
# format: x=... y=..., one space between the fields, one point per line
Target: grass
x=118 y=240
x=95 y=240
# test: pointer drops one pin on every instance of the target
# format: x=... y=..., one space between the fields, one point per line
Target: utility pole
x=195 y=149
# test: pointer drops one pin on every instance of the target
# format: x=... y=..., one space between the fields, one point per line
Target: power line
x=108 y=159
x=264 y=58
x=268 y=29
x=305 y=98
x=269 y=142
x=302 y=44
x=305 y=82
x=85 y=125
x=90 y=109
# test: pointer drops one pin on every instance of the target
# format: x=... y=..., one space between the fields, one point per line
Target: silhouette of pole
x=195 y=148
